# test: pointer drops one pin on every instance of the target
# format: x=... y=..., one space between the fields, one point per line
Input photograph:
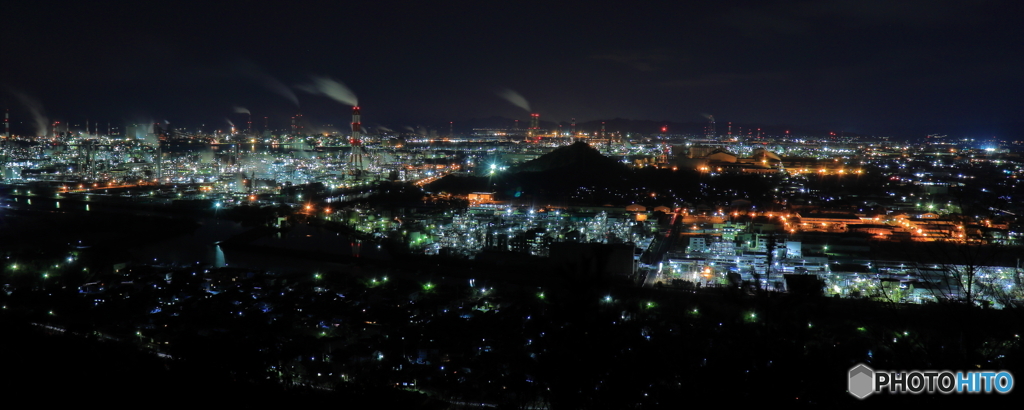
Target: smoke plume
x=36 y=110
x=332 y=89
x=254 y=72
x=515 y=98
x=242 y=110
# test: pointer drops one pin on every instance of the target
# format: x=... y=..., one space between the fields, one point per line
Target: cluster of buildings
x=862 y=190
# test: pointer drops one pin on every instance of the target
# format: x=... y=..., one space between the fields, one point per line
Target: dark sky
x=854 y=65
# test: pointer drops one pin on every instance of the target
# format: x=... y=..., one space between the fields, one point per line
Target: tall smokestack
x=356 y=156
x=250 y=123
x=7 y=123
x=357 y=124
x=159 y=162
x=298 y=126
x=534 y=125
x=572 y=128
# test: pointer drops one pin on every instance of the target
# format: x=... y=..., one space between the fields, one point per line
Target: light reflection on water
x=202 y=246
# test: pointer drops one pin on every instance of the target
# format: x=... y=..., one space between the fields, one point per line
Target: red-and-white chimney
x=357 y=126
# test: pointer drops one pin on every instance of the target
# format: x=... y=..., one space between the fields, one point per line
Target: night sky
x=879 y=67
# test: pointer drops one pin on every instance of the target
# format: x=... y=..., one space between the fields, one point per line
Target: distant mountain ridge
x=632 y=126
x=1004 y=131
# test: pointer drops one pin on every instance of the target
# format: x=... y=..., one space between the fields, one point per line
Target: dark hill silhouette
x=561 y=171
x=578 y=157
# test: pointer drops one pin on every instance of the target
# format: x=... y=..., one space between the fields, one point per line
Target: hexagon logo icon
x=861 y=382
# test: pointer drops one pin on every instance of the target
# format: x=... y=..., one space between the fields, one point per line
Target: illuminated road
x=97 y=187
x=656 y=252
x=428 y=180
